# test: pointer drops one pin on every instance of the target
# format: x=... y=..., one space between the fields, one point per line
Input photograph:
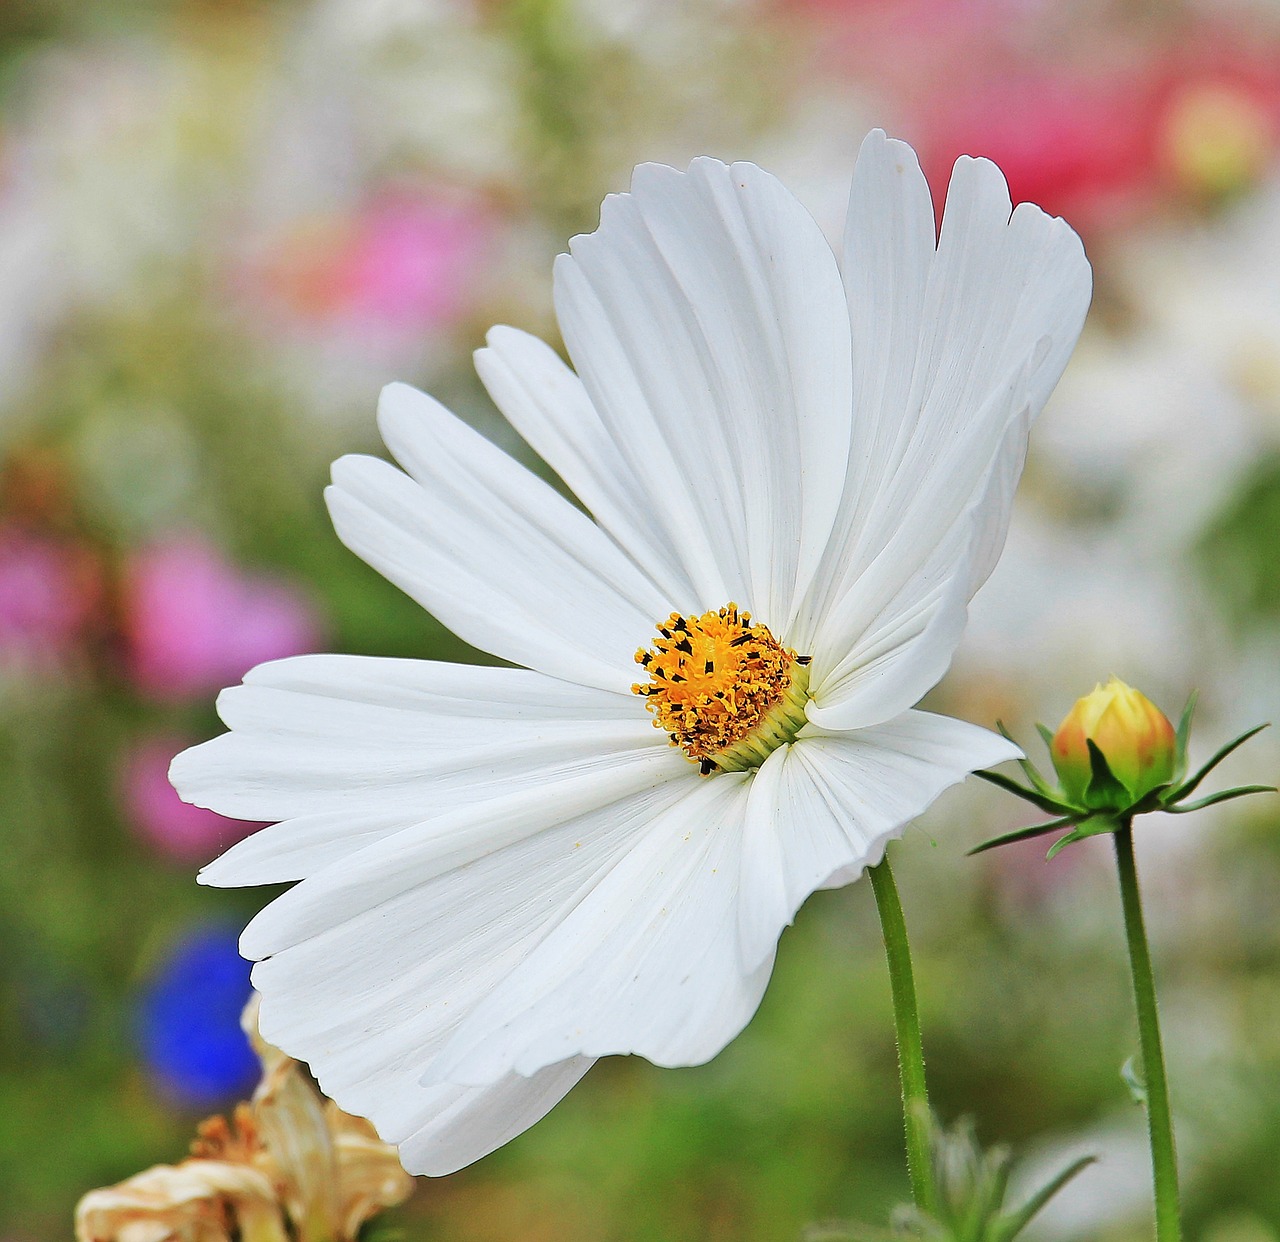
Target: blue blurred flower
x=189 y=1020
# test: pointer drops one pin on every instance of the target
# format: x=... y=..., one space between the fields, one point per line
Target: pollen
x=724 y=690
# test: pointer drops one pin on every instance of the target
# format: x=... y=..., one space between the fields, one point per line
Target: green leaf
x=1051 y=805
x=1013 y=1225
x=1133 y=1079
x=1104 y=790
x=1184 y=734
x=1183 y=790
x=1225 y=796
x=988 y=1199
x=971 y=1189
x=1021 y=834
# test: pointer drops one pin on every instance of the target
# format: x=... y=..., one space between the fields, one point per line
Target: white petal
x=879 y=651
x=708 y=323
x=648 y=962
x=830 y=803
x=955 y=354
x=491 y=550
x=1005 y=303
x=447 y=1128
x=370 y=965
x=347 y=750
x=889 y=245
x=995 y=505
x=547 y=404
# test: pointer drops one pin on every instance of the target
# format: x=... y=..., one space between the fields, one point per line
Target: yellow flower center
x=725 y=691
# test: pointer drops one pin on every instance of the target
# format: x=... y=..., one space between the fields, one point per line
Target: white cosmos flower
x=504 y=873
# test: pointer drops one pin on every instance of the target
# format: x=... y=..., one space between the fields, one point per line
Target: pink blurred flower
x=178 y=830
x=904 y=52
x=194 y=622
x=410 y=261
x=405 y=264
x=1078 y=146
x=1100 y=148
x=50 y=590
x=1099 y=124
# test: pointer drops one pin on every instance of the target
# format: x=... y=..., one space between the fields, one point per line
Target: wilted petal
x=198 y=1201
x=370 y=1176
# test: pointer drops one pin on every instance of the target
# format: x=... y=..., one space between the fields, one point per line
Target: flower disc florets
x=725 y=690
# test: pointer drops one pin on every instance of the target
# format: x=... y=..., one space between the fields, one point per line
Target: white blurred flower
x=1145 y=429
x=1212 y=292
x=423 y=83
x=506 y=873
x=1066 y=606
x=120 y=149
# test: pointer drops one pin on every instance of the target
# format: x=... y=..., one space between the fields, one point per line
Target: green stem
x=906 y=1020
x=1159 y=1120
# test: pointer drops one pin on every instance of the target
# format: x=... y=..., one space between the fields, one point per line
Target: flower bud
x=1134 y=736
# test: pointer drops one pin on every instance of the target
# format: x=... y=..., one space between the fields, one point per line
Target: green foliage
x=1237 y=552
x=972 y=1186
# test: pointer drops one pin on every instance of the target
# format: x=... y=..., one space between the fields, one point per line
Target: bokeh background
x=225 y=223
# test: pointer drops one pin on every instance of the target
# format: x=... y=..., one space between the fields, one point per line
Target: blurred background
x=225 y=223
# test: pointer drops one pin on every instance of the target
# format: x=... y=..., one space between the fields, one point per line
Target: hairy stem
x=906 y=1019
x=1159 y=1119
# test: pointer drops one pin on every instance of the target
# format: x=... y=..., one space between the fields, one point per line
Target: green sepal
x=1183 y=736
x=1104 y=791
x=1152 y=800
x=1022 y=834
x=1011 y=1226
x=1061 y=844
x=1225 y=796
x=1093 y=826
x=1181 y=791
x=1029 y=769
x=1046 y=803
x=1046 y=735
x=1099 y=825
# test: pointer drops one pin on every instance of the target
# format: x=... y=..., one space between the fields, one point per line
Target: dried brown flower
x=289 y=1166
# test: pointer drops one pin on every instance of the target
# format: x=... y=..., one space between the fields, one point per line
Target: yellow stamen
x=726 y=691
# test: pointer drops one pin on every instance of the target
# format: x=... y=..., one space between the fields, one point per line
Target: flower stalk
x=906 y=1019
x=1159 y=1117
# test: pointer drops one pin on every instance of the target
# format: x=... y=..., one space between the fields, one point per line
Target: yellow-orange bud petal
x=1133 y=734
